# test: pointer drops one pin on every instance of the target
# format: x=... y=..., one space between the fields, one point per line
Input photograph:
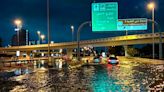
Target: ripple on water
x=133 y=77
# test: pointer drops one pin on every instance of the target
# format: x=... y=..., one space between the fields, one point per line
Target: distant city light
x=17 y=53
x=42 y=54
x=38 y=32
x=61 y=50
x=82 y=49
x=72 y=27
x=52 y=55
x=42 y=37
x=52 y=42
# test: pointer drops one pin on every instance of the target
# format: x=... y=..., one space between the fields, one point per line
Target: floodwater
x=124 y=77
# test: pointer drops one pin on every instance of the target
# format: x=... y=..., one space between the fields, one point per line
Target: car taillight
x=109 y=60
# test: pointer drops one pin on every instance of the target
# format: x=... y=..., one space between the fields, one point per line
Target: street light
x=42 y=37
x=72 y=29
x=160 y=38
x=38 y=32
x=151 y=6
x=48 y=28
x=78 y=37
x=18 y=24
x=39 y=35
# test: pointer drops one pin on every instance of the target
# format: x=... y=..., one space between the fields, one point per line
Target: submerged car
x=113 y=60
x=96 y=60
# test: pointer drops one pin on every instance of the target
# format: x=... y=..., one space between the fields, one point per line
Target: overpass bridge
x=111 y=41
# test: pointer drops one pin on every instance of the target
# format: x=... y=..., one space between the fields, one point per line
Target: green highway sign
x=104 y=16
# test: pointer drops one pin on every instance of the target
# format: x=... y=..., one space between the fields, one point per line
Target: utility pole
x=48 y=28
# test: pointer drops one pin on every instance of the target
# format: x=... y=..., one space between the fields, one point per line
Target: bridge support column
x=28 y=55
x=126 y=51
x=70 y=53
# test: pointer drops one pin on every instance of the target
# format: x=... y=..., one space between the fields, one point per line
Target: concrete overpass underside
x=112 y=41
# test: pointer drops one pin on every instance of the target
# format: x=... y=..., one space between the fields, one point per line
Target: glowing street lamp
x=72 y=29
x=42 y=37
x=18 y=23
x=39 y=35
x=151 y=6
x=38 y=32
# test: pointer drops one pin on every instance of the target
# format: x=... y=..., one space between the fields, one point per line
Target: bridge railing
x=120 y=38
x=129 y=37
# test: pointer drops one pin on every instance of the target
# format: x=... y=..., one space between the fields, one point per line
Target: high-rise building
x=0 y=42
x=21 y=38
x=14 y=40
x=32 y=42
x=27 y=37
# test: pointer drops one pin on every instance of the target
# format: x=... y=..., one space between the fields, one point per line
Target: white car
x=113 y=60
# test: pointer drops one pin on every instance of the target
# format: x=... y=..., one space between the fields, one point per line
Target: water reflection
x=102 y=82
x=125 y=77
x=22 y=71
x=15 y=72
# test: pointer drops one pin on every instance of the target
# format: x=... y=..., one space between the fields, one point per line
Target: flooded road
x=124 y=77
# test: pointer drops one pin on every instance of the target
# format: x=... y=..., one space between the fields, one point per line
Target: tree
x=133 y=51
x=146 y=51
x=117 y=50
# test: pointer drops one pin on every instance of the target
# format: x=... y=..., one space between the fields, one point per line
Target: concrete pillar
x=126 y=46
x=70 y=53
x=28 y=53
x=126 y=51
x=50 y=61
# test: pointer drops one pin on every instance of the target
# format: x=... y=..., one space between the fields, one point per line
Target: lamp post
x=78 y=37
x=151 y=6
x=48 y=28
x=160 y=38
x=72 y=29
x=18 y=24
x=39 y=35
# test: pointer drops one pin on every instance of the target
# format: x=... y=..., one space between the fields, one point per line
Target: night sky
x=64 y=13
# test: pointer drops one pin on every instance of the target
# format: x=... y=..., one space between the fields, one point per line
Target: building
x=0 y=42
x=32 y=42
x=22 y=39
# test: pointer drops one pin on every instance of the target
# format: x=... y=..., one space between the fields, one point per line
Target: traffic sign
x=104 y=16
x=132 y=24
